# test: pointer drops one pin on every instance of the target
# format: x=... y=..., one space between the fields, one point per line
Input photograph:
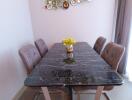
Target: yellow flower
x=68 y=41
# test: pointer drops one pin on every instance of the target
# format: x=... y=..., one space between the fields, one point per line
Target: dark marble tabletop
x=88 y=69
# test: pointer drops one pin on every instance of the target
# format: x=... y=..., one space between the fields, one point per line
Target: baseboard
x=16 y=97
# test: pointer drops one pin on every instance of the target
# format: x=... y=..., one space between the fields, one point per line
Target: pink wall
x=84 y=22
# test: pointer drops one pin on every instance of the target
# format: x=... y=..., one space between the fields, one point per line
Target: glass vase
x=69 y=48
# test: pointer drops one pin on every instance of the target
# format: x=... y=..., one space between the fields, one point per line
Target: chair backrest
x=98 y=46
x=113 y=54
x=41 y=46
x=30 y=57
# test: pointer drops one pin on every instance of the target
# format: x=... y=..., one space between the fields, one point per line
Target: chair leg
x=107 y=97
x=46 y=93
x=99 y=92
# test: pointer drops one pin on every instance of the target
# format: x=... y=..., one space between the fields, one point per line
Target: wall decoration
x=54 y=4
x=65 y=4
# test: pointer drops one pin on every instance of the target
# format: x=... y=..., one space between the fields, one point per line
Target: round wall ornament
x=65 y=4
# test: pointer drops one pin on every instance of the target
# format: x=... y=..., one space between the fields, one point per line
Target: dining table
x=87 y=69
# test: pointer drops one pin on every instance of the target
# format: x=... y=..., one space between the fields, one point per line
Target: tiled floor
x=88 y=96
x=123 y=92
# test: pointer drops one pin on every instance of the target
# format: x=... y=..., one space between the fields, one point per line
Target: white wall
x=15 y=31
x=84 y=22
x=128 y=29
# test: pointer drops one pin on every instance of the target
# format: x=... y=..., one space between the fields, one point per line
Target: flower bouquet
x=68 y=43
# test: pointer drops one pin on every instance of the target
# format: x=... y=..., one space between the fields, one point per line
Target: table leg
x=46 y=93
x=70 y=91
x=99 y=92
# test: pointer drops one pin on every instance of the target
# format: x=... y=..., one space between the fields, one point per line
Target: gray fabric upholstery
x=41 y=46
x=99 y=44
x=112 y=54
x=30 y=56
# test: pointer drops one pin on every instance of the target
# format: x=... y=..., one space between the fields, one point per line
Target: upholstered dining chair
x=41 y=46
x=98 y=46
x=31 y=57
x=112 y=54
